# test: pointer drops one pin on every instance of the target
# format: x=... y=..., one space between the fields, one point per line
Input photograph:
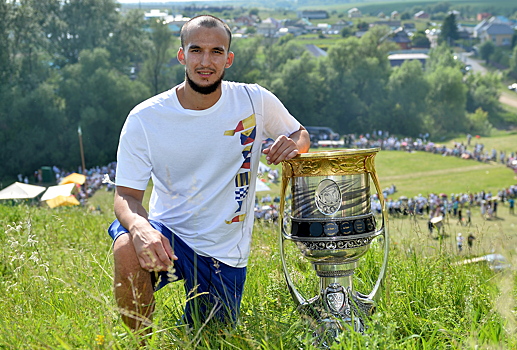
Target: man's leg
x=133 y=285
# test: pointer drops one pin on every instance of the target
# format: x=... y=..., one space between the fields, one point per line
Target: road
x=508 y=98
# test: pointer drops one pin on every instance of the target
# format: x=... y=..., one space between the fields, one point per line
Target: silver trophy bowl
x=330 y=221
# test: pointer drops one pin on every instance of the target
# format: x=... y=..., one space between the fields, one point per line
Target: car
x=321 y=133
x=513 y=87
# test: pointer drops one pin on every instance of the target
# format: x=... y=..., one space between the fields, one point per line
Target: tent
x=263 y=168
x=74 y=178
x=60 y=201
x=260 y=186
x=19 y=190
x=59 y=190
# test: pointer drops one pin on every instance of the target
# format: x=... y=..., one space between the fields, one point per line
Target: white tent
x=260 y=186
x=263 y=168
x=59 y=190
x=19 y=190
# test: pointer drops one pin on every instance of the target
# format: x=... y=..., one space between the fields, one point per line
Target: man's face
x=205 y=57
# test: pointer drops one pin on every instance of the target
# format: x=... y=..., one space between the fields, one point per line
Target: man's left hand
x=285 y=148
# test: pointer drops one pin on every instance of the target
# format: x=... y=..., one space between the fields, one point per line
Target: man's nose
x=205 y=59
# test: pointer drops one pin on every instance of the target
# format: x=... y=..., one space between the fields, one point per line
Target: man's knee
x=126 y=261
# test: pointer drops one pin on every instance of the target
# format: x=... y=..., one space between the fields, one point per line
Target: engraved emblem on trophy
x=330 y=221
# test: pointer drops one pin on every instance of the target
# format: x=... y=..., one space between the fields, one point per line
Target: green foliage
x=483 y=93
x=513 y=62
x=449 y=30
x=156 y=71
x=479 y=123
x=56 y=280
x=486 y=50
x=447 y=100
x=407 y=89
x=65 y=64
x=420 y=40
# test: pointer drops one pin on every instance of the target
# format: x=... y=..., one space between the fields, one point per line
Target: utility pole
x=80 y=133
x=82 y=150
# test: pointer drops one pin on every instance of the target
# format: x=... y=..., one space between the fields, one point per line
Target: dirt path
x=506 y=99
x=433 y=173
x=509 y=100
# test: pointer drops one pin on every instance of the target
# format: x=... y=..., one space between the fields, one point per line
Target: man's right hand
x=153 y=249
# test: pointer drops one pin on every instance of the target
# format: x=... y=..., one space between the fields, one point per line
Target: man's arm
x=285 y=148
x=152 y=248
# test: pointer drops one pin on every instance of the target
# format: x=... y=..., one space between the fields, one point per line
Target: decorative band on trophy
x=345 y=227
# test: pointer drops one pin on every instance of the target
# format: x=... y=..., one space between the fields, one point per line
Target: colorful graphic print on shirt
x=247 y=130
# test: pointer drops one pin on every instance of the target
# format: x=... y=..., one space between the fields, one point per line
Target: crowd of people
x=469 y=149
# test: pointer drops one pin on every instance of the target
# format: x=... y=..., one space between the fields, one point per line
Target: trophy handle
x=384 y=232
x=297 y=296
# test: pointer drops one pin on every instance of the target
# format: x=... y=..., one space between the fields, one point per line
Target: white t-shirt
x=203 y=164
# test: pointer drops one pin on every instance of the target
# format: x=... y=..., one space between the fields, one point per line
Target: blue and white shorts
x=210 y=285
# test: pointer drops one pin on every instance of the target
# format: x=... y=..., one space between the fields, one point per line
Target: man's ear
x=181 y=56
x=229 y=60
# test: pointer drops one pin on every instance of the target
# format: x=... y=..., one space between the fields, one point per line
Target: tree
x=128 y=43
x=483 y=92
x=486 y=50
x=441 y=57
x=299 y=88
x=478 y=123
x=245 y=67
x=449 y=31
x=513 y=62
x=156 y=71
x=79 y=25
x=98 y=98
x=446 y=100
x=407 y=89
x=420 y=40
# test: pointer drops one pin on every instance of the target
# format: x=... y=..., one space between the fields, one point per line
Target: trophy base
x=328 y=322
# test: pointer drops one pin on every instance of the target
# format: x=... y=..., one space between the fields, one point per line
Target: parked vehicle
x=513 y=87
x=321 y=133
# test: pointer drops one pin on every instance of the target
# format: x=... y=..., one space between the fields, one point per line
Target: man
x=200 y=142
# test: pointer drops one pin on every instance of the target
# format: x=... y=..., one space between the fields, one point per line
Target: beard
x=204 y=90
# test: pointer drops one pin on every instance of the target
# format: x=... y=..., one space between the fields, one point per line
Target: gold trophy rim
x=335 y=153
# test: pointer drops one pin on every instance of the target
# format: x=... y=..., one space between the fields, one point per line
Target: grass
x=56 y=276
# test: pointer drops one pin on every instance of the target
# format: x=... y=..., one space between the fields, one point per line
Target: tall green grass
x=56 y=286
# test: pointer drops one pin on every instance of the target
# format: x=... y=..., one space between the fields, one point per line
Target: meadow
x=56 y=277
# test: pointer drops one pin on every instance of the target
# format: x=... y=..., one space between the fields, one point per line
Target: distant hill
x=499 y=7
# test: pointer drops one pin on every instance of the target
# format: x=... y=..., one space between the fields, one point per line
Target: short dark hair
x=207 y=21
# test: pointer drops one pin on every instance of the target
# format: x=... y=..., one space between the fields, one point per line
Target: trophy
x=331 y=222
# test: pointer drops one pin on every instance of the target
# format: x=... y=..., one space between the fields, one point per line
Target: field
x=56 y=278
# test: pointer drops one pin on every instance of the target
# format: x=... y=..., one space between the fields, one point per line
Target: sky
x=148 y=1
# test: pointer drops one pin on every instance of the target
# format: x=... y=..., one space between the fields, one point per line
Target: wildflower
x=99 y=339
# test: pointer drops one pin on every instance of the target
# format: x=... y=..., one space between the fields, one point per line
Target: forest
x=66 y=65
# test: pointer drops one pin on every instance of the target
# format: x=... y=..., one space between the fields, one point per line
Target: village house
x=496 y=29
x=354 y=13
x=421 y=15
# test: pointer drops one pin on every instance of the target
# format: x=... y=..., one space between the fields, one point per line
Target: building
x=316 y=14
x=421 y=15
x=499 y=33
x=354 y=13
x=400 y=37
x=496 y=29
x=483 y=15
x=155 y=14
x=315 y=51
x=397 y=58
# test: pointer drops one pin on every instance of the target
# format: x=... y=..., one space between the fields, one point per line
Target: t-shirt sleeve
x=133 y=159
x=277 y=119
